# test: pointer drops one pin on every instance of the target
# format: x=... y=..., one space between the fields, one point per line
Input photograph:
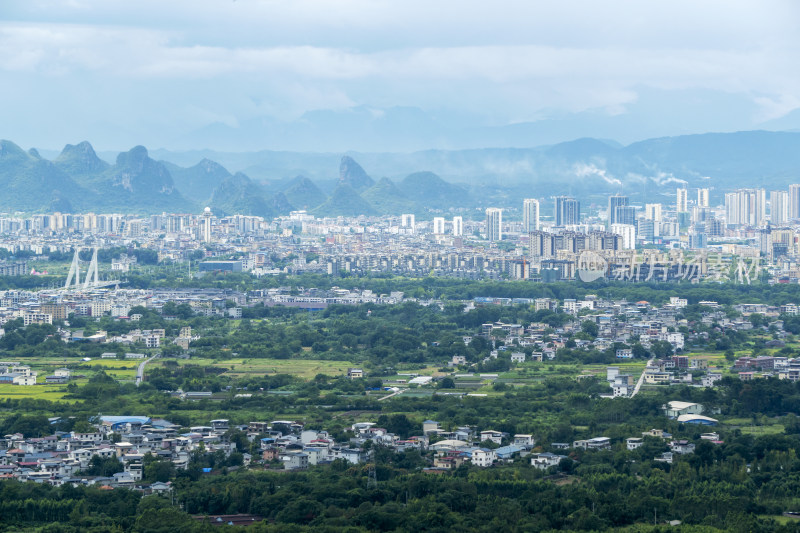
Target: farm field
x=303 y=368
x=34 y=392
x=123 y=371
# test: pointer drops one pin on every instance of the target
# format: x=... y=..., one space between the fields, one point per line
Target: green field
x=765 y=426
x=81 y=372
x=303 y=368
x=34 y=392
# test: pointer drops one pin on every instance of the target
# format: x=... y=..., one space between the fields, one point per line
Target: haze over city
x=390 y=76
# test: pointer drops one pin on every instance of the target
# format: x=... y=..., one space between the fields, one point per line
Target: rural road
x=390 y=395
x=641 y=379
x=140 y=371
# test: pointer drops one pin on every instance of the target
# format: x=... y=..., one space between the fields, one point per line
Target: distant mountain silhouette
x=78 y=179
x=351 y=173
x=344 y=201
x=304 y=193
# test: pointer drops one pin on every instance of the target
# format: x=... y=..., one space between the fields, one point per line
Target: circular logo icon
x=591 y=266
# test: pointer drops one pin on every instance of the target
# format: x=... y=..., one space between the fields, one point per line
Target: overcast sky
x=396 y=74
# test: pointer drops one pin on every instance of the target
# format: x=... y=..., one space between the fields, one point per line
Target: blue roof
x=507 y=451
x=125 y=419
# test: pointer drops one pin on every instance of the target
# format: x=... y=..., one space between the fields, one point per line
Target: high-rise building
x=438 y=225
x=794 y=201
x=458 y=226
x=625 y=214
x=530 y=215
x=648 y=229
x=702 y=198
x=628 y=234
x=542 y=245
x=494 y=224
x=407 y=221
x=567 y=211
x=682 y=203
x=697 y=237
x=779 y=207
x=207 y=224
x=614 y=204
x=745 y=207
x=652 y=212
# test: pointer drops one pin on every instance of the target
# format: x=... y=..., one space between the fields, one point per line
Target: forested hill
x=78 y=179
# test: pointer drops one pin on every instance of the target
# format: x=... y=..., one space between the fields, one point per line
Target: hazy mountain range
x=270 y=183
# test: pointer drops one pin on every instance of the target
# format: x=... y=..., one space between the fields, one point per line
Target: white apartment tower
x=407 y=221
x=746 y=207
x=438 y=225
x=207 y=224
x=652 y=212
x=628 y=234
x=458 y=226
x=779 y=207
x=702 y=198
x=794 y=201
x=494 y=224
x=682 y=204
x=530 y=215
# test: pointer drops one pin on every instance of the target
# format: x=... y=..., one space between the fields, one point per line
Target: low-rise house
x=491 y=435
x=681 y=447
x=449 y=462
x=665 y=457
x=595 y=443
x=675 y=409
x=633 y=442
x=524 y=440
x=658 y=433
x=483 y=457
x=545 y=460
x=506 y=453
x=294 y=460
x=430 y=426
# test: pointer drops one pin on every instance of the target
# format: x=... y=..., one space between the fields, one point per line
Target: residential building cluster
x=690 y=240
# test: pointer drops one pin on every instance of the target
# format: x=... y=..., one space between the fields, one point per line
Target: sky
x=385 y=75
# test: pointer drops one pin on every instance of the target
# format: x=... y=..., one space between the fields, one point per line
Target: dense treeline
x=601 y=493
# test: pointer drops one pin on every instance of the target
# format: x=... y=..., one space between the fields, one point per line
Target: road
x=140 y=371
x=641 y=379
x=390 y=395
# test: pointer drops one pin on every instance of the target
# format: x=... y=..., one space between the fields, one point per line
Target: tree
x=590 y=328
x=399 y=424
x=165 y=520
x=447 y=383
x=661 y=349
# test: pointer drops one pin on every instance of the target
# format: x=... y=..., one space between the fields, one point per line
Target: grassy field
x=81 y=372
x=304 y=368
x=34 y=392
x=764 y=426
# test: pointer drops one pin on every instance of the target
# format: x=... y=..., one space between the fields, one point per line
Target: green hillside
x=344 y=201
x=238 y=194
x=387 y=199
x=197 y=183
x=31 y=183
x=429 y=190
x=351 y=174
x=304 y=193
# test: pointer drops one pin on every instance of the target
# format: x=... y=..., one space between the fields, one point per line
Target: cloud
x=499 y=63
x=660 y=178
x=583 y=170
